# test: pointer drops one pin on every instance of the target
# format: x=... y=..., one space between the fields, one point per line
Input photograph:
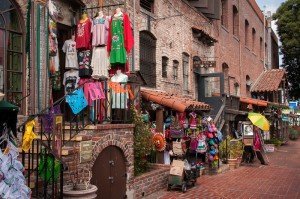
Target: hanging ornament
x=159 y=142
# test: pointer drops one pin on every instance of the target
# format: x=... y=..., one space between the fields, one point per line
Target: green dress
x=118 y=52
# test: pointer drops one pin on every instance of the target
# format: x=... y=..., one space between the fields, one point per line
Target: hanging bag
x=177 y=148
x=201 y=147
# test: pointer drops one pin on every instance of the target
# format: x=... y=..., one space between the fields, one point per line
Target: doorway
x=64 y=33
x=109 y=174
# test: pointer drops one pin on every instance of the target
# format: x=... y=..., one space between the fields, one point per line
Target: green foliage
x=142 y=143
x=288 y=22
x=234 y=148
x=277 y=142
x=293 y=134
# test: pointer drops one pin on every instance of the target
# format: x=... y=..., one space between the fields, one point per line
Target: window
x=266 y=54
x=261 y=48
x=164 y=67
x=185 y=67
x=235 y=21
x=224 y=16
x=236 y=89
x=147 y=5
x=11 y=53
x=253 y=39
x=225 y=70
x=246 y=32
x=248 y=83
x=148 y=57
x=175 y=69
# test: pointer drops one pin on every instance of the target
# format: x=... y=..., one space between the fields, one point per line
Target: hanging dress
x=118 y=52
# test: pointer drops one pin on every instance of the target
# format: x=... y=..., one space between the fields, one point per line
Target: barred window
x=147 y=5
x=185 y=67
x=175 y=69
x=165 y=61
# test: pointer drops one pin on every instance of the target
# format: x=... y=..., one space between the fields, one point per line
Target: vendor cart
x=182 y=177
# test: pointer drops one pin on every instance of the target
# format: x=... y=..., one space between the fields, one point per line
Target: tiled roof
x=172 y=101
x=268 y=81
x=253 y=101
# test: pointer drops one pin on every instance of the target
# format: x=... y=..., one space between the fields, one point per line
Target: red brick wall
x=241 y=59
x=151 y=182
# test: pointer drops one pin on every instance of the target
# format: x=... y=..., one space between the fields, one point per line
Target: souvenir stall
x=95 y=54
x=182 y=128
x=12 y=179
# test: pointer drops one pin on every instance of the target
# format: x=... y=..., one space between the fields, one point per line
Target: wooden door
x=109 y=174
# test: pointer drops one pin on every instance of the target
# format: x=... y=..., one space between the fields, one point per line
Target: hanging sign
x=198 y=63
x=86 y=151
x=57 y=134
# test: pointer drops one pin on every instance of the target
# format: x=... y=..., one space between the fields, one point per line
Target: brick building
x=173 y=39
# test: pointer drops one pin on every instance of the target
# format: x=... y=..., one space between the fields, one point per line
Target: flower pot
x=239 y=161
x=232 y=163
x=80 y=192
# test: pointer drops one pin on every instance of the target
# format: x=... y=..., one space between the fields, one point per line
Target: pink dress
x=100 y=31
x=193 y=120
x=93 y=91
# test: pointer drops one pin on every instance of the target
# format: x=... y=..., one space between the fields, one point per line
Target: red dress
x=83 y=35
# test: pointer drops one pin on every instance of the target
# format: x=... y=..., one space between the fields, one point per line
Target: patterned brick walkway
x=280 y=179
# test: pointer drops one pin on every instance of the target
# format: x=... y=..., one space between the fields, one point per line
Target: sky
x=271 y=5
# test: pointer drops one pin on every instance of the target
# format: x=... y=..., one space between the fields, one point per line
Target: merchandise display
x=119 y=99
x=100 y=63
x=100 y=30
x=70 y=81
x=69 y=48
x=83 y=33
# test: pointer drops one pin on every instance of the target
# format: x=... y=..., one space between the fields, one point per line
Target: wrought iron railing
x=46 y=181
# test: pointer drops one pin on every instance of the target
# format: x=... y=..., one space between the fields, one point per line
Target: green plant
x=142 y=143
x=224 y=148
x=235 y=148
x=293 y=134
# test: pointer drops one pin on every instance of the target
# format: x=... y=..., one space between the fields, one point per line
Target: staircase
x=43 y=146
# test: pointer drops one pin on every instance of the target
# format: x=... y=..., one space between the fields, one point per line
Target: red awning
x=253 y=101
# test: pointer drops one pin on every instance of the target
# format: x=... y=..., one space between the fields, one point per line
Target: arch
x=235 y=21
x=185 y=70
x=253 y=39
x=148 y=57
x=12 y=56
x=246 y=32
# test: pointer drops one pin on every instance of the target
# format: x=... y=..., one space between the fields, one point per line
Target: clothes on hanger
x=70 y=81
x=100 y=63
x=100 y=30
x=28 y=136
x=119 y=99
x=69 y=48
x=83 y=34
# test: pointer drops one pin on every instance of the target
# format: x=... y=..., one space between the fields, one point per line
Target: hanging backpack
x=202 y=147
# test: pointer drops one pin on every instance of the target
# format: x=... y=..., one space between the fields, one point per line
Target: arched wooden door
x=109 y=174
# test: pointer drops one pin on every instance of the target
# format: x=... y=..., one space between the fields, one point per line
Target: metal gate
x=109 y=174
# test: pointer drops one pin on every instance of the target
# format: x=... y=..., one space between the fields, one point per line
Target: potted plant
x=235 y=153
x=80 y=188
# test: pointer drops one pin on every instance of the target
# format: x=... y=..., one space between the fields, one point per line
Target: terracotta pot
x=239 y=161
x=232 y=163
x=81 y=192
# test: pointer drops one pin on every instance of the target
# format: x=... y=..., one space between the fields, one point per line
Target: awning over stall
x=173 y=101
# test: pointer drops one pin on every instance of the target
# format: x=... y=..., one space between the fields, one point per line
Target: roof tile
x=268 y=81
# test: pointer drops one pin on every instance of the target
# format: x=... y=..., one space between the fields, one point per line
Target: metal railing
x=46 y=181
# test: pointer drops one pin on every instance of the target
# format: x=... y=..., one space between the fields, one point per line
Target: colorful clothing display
x=84 y=58
x=119 y=100
x=29 y=136
x=193 y=120
x=69 y=48
x=100 y=31
x=83 y=34
x=70 y=81
x=100 y=62
x=120 y=39
x=12 y=180
x=76 y=101
x=93 y=91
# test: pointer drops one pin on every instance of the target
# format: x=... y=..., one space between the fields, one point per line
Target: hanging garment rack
x=105 y=6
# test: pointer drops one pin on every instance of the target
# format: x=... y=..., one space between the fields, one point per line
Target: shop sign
x=86 y=151
x=57 y=134
x=198 y=63
x=285 y=118
x=287 y=111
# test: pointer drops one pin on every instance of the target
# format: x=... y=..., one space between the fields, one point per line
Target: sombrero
x=159 y=141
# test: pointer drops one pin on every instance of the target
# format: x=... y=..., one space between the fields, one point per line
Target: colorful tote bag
x=77 y=101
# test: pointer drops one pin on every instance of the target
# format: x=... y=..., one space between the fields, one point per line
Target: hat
x=159 y=141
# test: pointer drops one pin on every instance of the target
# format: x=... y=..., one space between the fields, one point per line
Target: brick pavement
x=280 y=179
